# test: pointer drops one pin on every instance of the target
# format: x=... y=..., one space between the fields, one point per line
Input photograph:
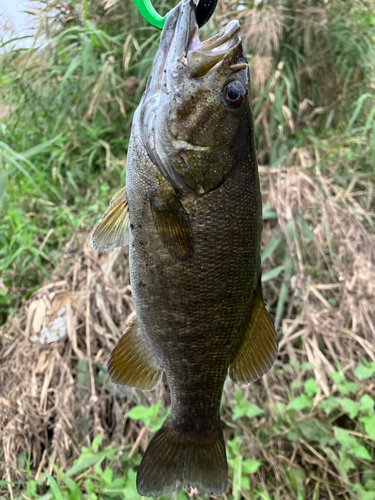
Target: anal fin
x=259 y=348
x=131 y=362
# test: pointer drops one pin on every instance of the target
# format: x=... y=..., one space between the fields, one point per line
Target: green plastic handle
x=147 y=11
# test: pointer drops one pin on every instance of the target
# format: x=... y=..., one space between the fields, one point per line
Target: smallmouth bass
x=192 y=215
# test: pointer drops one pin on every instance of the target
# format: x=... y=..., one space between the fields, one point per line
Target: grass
x=307 y=429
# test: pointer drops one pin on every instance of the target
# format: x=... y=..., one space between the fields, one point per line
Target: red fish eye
x=234 y=94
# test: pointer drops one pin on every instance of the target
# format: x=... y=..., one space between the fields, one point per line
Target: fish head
x=195 y=116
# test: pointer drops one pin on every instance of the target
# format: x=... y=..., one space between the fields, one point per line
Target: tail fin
x=175 y=459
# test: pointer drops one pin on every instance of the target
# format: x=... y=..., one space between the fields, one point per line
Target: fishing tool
x=205 y=9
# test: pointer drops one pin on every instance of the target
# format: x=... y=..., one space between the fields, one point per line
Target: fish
x=191 y=213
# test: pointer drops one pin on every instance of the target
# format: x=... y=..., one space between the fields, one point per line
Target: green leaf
x=348 y=388
x=350 y=444
x=271 y=246
x=268 y=213
x=344 y=464
x=244 y=408
x=96 y=442
x=292 y=436
x=272 y=274
x=300 y=403
x=296 y=478
x=250 y=466
x=149 y=415
x=338 y=378
x=365 y=371
x=54 y=487
x=369 y=423
x=367 y=405
x=3 y=185
x=329 y=404
x=310 y=387
x=314 y=430
x=350 y=407
x=85 y=463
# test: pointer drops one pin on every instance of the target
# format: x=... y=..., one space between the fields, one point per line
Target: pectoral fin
x=112 y=230
x=131 y=362
x=259 y=347
x=173 y=224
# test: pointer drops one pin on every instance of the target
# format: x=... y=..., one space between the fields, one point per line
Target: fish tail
x=175 y=459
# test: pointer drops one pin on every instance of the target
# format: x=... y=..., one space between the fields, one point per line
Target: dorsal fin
x=259 y=347
x=112 y=231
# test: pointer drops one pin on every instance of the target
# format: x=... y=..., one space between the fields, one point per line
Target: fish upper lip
x=181 y=44
x=204 y=56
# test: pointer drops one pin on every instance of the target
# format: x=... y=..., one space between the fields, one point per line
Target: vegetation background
x=307 y=429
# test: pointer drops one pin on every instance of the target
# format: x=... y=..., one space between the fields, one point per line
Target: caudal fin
x=174 y=460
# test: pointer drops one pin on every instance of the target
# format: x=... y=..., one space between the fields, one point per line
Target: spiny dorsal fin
x=173 y=224
x=131 y=362
x=113 y=229
x=259 y=347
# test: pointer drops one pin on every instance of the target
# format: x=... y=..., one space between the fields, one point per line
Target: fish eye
x=234 y=94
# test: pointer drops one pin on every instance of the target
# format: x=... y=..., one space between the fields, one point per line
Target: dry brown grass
x=51 y=401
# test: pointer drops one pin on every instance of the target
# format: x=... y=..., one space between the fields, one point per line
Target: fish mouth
x=181 y=46
x=203 y=56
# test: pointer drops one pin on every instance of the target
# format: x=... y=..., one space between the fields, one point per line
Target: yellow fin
x=173 y=224
x=113 y=229
x=132 y=364
x=259 y=347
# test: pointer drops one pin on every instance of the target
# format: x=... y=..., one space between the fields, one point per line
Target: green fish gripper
x=147 y=11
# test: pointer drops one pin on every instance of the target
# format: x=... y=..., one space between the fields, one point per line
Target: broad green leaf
x=350 y=407
x=367 y=405
x=300 y=403
x=250 y=466
x=338 y=378
x=314 y=430
x=329 y=404
x=310 y=387
x=369 y=423
x=365 y=371
x=350 y=444
x=246 y=409
x=296 y=478
x=348 y=388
